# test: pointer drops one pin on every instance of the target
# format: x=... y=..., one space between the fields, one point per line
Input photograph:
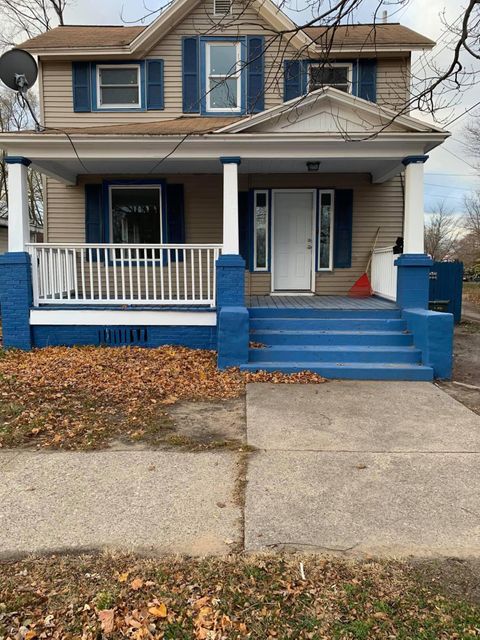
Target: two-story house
x=219 y=177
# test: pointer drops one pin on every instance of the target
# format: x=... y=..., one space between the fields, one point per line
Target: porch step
x=350 y=370
x=335 y=353
x=295 y=312
x=328 y=337
x=328 y=324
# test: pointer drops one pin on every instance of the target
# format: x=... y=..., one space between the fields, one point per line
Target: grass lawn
x=471 y=292
x=121 y=596
x=82 y=398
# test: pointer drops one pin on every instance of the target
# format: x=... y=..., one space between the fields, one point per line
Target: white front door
x=292 y=240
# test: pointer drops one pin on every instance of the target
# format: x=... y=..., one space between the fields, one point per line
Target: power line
x=446 y=186
x=477 y=104
x=459 y=158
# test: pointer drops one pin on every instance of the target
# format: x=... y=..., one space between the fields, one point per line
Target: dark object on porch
x=398 y=247
x=446 y=285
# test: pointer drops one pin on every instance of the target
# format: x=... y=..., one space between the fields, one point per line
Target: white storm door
x=292 y=240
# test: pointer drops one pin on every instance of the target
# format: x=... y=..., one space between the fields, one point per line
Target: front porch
x=339 y=302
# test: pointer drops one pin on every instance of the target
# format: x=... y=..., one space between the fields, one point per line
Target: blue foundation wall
x=195 y=337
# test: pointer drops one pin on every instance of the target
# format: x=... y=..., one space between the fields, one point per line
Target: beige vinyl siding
x=392 y=80
x=374 y=205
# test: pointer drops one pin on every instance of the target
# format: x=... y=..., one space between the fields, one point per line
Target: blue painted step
x=329 y=324
x=265 y=312
x=306 y=337
x=350 y=371
x=338 y=354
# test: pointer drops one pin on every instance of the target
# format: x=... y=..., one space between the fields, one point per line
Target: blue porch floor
x=318 y=302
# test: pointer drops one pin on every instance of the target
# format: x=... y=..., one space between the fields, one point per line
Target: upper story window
x=223 y=77
x=336 y=75
x=222 y=7
x=118 y=86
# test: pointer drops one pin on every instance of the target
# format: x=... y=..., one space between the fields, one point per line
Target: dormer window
x=222 y=7
x=223 y=77
x=335 y=74
x=118 y=86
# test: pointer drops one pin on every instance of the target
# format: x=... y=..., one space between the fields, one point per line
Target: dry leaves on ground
x=289 y=597
x=82 y=397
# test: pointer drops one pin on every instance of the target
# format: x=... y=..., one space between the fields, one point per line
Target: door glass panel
x=261 y=225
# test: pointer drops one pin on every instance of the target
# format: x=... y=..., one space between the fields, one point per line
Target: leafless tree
x=14 y=118
x=23 y=19
x=441 y=232
x=471 y=220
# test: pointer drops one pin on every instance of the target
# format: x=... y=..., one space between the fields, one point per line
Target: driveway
x=362 y=467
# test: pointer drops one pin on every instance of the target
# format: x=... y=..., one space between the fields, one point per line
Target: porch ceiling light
x=313 y=165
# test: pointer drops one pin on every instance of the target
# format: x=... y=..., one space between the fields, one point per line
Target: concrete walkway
x=363 y=467
x=355 y=467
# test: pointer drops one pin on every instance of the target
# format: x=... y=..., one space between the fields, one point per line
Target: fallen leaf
x=159 y=611
x=136 y=584
x=107 y=620
x=123 y=577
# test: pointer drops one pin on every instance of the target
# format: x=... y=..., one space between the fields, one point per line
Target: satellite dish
x=18 y=70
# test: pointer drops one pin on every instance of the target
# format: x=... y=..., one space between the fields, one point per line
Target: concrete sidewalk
x=362 y=467
x=146 y=501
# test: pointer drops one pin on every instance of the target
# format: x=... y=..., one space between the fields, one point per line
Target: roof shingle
x=355 y=35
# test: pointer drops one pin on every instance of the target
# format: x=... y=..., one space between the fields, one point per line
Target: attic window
x=222 y=7
x=331 y=75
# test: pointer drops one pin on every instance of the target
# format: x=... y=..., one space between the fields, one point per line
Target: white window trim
x=332 y=219
x=137 y=105
x=237 y=76
x=111 y=187
x=267 y=233
x=348 y=65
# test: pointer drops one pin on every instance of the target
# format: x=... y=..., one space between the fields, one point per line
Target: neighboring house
x=214 y=171
x=36 y=234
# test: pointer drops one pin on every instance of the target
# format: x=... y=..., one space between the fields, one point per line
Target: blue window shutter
x=190 y=58
x=154 y=85
x=367 y=80
x=294 y=80
x=342 y=232
x=81 y=85
x=94 y=213
x=255 y=74
x=175 y=232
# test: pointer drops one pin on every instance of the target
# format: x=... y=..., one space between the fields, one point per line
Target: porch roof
x=343 y=133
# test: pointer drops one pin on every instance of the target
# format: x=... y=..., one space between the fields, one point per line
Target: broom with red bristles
x=362 y=287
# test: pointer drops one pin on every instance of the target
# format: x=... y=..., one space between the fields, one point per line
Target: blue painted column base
x=413 y=280
x=233 y=334
x=230 y=281
x=16 y=299
x=433 y=335
x=233 y=323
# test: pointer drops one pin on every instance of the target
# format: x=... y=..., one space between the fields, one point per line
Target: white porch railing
x=119 y=274
x=384 y=273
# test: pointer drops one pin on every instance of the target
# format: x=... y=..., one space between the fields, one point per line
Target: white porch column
x=230 y=205
x=413 y=228
x=18 y=218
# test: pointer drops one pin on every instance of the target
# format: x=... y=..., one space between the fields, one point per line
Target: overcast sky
x=448 y=177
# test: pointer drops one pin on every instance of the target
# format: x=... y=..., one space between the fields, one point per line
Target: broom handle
x=371 y=253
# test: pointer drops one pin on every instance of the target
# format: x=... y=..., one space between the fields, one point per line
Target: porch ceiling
x=65 y=159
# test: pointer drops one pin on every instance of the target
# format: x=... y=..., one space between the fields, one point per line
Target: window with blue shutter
x=154 y=79
x=342 y=238
x=190 y=75
x=255 y=74
x=81 y=86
